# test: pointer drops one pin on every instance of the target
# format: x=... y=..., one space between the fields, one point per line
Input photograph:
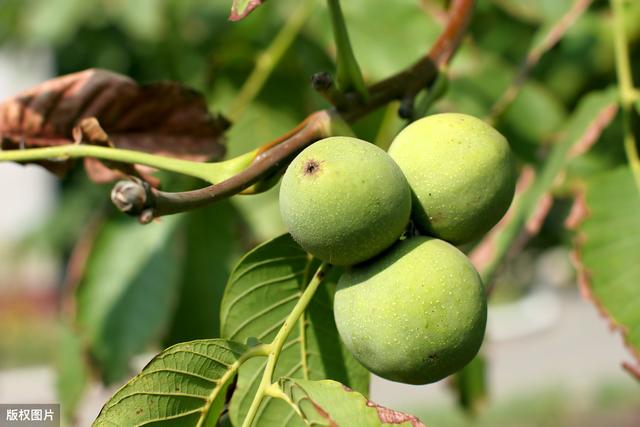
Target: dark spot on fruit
x=432 y=357
x=311 y=167
x=320 y=275
x=139 y=411
x=437 y=217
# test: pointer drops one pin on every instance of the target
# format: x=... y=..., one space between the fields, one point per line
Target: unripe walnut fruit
x=415 y=314
x=462 y=174
x=344 y=200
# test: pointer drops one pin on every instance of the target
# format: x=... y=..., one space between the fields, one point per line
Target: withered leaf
x=162 y=118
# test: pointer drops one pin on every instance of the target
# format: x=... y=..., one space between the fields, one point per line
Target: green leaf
x=593 y=114
x=535 y=11
x=56 y=20
x=142 y=18
x=241 y=8
x=258 y=124
x=329 y=403
x=262 y=213
x=79 y=200
x=470 y=384
x=213 y=244
x=185 y=385
x=365 y=19
x=127 y=294
x=261 y=292
x=535 y=113
x=607 y=246
x=73 y=371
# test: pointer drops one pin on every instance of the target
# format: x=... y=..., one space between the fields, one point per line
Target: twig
x=554 y=35
x=323 y=83
x=318 y=124
x=158 y=203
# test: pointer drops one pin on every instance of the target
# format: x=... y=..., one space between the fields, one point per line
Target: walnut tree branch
x=158 y=203
x=401 y=86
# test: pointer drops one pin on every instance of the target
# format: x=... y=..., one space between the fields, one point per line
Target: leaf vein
x=261 y=313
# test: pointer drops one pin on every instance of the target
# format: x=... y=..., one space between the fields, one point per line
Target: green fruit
x=461 y=172
x=344 y=200
x=415 y=314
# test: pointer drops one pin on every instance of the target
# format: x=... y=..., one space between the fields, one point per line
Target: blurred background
x=552 y=361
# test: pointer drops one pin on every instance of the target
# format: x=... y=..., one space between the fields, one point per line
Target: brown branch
x=401 y=86
x=315 y=127
x=323 y=83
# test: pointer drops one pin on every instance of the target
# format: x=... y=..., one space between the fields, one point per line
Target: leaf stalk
x=210 y=172
x=348 y=74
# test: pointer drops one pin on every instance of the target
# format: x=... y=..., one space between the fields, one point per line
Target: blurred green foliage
x=612 y=404
x=192 y=41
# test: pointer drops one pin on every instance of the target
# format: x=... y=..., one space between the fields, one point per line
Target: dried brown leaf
x=162 y=118
x=390 y=416
x=386 y=415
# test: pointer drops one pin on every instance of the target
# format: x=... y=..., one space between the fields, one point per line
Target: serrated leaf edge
x=580 y=213
x=221 y=383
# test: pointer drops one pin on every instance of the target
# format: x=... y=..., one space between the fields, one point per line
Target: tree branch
x=275 y=155
x=159 y=203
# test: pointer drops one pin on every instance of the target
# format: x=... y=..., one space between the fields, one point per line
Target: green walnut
x=415 y=314
x=462 y=174
x=344 y=200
